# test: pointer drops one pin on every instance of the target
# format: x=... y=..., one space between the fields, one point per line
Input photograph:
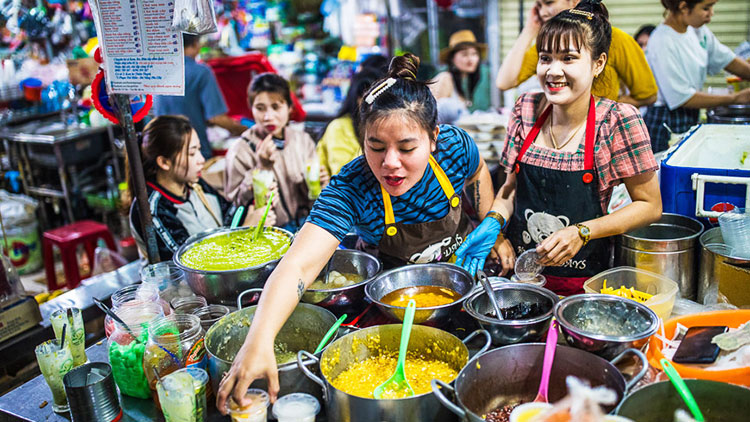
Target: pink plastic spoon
x=549 y=358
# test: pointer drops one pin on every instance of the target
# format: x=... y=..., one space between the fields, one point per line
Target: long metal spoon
x=106 y=309
x=490 y=293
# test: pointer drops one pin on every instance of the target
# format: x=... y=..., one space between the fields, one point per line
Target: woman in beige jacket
x=272 y=145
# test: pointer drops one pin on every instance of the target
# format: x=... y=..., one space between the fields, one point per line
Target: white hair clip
x=379 y=90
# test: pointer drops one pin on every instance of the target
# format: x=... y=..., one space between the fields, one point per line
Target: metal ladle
x=490 y=293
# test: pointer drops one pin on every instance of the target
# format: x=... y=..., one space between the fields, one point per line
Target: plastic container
x=256 y=411
x=663 y=290
x=168 y=278
x=296 y=407
x=174 y=342
x=186 y=305
x=731 y=319
x=708 y=151
x=735 y=230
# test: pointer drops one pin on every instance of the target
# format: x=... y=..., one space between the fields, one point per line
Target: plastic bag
x=106 y=260
x=194 y=17
x=582 y=404
x=734 y=339
x=688 y=307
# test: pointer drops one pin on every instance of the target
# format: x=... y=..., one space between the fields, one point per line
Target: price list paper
x=142 y=54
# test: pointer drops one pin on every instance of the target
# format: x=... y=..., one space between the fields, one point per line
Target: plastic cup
x=528 y=266
x=182 y=395
x=312 y=179
x=262 y=181
x=75 y=335
x=735 y=229
x=296 y=407
x=168 y=278
x=54 y=363
x=256 y=411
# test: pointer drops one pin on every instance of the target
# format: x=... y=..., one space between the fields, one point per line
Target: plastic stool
x=67 y=239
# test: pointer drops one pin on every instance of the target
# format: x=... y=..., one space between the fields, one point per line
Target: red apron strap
x=533 y=134
x=588 y=157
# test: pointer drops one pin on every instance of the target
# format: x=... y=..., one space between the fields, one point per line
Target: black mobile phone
x=696 y=346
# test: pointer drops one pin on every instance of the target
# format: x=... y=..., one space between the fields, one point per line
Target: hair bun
x=404 y=67
x=594 y=6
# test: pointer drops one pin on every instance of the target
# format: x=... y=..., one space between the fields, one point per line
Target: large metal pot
x=510 y=375
x=349 y=299
x=355 y=347
x=668 y=247
x=224 y=286
x=440 y=274
x=720 y=272
x=731 y=114
x=506 y=332
x=717 y=401
x=303 y=330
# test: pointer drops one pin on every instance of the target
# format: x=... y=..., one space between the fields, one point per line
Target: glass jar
x=130 y=296
x=186 y=305
x=174 y=341
x=126 y=353
x=210 y=315
x=168 y=278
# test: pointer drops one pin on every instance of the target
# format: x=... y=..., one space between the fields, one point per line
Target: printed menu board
x=142 y=54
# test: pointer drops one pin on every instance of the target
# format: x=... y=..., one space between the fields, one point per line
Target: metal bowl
x=505 y=332
x=224 y=286
x=348 y=299
x=441 y=274
x=603 y=345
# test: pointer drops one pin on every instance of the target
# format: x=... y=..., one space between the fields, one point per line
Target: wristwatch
x=496 y=216
x=584 y=233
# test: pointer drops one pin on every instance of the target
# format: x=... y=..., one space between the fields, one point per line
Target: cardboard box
x=18 y=317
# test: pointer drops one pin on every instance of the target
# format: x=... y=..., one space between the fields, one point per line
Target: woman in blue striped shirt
x=402 y=197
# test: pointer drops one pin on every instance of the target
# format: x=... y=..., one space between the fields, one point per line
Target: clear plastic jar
x=256 y=411
x=130 y=296
x=126 y=353
x=210 y=315
x=168 y=278
x=186 y=305
x=174 y=342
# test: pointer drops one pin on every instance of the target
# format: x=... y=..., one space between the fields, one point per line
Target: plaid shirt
x=622 y=147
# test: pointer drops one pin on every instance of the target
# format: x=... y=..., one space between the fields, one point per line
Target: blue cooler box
x=709 y=167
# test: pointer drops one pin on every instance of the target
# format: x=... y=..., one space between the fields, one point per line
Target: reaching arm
x=740 y=68
x=228 y=123
x=311 y=249
x=510 y=68
x=705 y=100
x=627 y=99
x=479 y=189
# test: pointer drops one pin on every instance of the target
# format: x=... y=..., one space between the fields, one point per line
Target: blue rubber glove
x=473 y=252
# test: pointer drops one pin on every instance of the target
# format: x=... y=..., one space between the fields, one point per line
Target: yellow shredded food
x=235 y=251
x=424 y=296
x=361 y=378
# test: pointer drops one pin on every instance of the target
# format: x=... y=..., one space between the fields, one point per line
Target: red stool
x=67 y=239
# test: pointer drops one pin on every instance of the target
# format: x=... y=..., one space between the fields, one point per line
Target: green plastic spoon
x=683 y=389
x=397 y=381
x=259 y=227
x=237 y=216
x=329 y=334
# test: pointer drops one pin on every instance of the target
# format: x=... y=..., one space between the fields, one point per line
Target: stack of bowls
x=735 y=229
x=504 y=332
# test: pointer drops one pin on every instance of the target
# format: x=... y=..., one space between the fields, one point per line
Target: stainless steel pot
x=354 y=347
x=722 y=273
x=603 y=345
x=349 y=299
x=510 y=375
x=440 y=274
x=731 y=114
x=668 y=247
x=506 y=332
x=303 y=330
x=716 y=400
x=224 y=286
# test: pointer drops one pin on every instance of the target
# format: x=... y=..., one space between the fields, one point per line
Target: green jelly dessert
x=236 y=251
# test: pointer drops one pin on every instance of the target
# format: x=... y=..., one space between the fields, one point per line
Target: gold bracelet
x=496 y=216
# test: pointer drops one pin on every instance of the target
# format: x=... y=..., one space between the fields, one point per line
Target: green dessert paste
x=127 y=366
x=236 y=251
